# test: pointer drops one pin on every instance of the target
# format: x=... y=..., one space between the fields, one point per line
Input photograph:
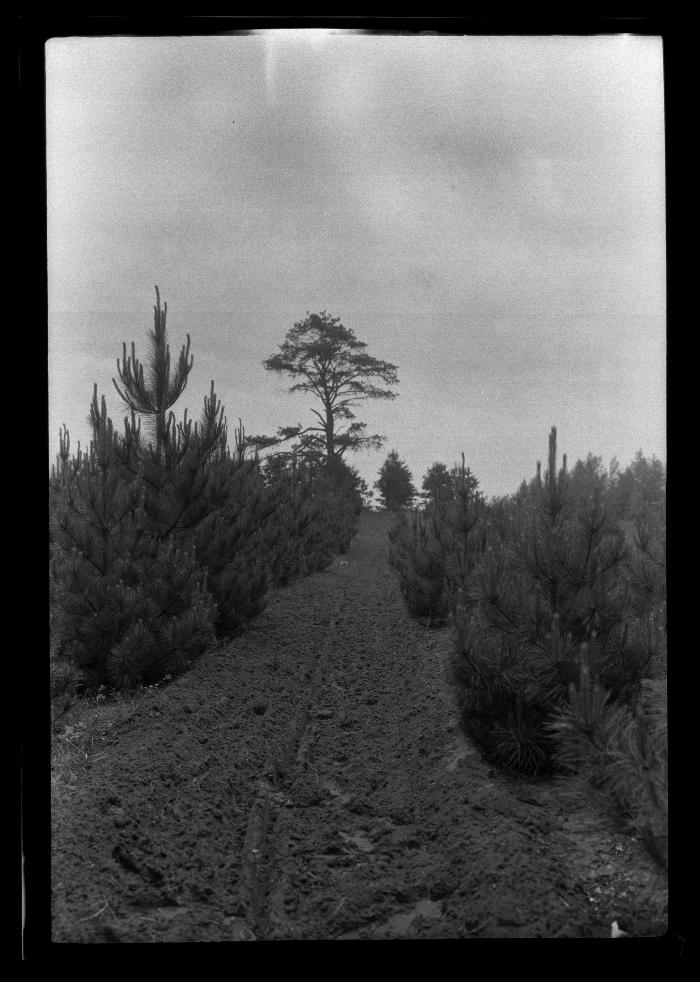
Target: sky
x=486 y=213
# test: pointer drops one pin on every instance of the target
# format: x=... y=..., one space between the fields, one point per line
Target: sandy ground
x=309 y=780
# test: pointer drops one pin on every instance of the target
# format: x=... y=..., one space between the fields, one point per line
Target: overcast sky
x=486 y=213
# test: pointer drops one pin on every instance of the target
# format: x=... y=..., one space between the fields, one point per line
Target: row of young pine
x=556 y=600
x=162 y=539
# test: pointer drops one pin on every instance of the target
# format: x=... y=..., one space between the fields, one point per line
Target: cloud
x=488 y=213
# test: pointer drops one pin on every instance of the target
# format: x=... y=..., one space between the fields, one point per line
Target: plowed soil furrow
x=308 y=780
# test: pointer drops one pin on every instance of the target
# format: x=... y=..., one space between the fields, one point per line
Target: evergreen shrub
x=621 y=750
x=433 y=550
x=130 y=606
x=565 y=576
x=418 y=551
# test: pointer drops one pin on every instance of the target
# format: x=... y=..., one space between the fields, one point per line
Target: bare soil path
x=308 y=780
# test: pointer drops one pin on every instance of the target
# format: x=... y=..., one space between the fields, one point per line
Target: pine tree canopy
x=438 y=485
x=395 y=483
x=327 y=361
x=152 y=393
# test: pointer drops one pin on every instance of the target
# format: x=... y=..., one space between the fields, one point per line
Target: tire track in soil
x=271 y=794
x=308 y=780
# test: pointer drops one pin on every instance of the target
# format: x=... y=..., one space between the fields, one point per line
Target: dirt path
x=308 y=780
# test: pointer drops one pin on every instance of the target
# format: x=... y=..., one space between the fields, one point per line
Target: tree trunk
x=330 y=451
